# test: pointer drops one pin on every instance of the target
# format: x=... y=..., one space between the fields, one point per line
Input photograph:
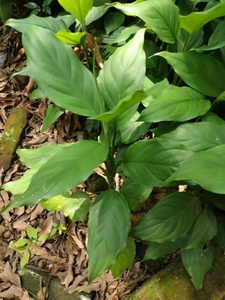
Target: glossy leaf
x=157 y=250
x=196 y=137
x=108 y=228
x=122 y=106
x=197 y=262
x=152 y=12
x=129 y=131
x=64 y=79
x=125 y=259
x=151 y=162
x=202 y=72
x=135 y=193
x=50 y=23
x=204 y=230
x=32 y=232
x=75 y=206
x=119 y=77
x=34 y=159
x=170 y=219
x=78 y=8
x=177 y=104
x=206 y=168
x=67 y=168
x=196 y=20
x=71 y=38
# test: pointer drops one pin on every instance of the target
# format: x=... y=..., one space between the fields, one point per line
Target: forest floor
x=63 y=255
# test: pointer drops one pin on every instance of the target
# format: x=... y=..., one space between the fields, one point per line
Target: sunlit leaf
x=71 y=38
x=196 y=20
x=31 y=232
x=170 y=219
x=108 y=228
x=78 y=8
x=67 y=168
x=166 y=25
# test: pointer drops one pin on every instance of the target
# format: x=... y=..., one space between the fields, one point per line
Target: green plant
x=167 y=76
x=44 y=8
x=26 y=245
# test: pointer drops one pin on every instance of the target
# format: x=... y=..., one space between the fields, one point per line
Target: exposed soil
x=63 y=255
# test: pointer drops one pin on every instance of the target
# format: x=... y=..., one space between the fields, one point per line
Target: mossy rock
x=11 y=136
x=173 y=283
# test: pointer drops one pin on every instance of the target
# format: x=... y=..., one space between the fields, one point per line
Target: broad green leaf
x=53 y=113
x=202 y=72
x=25 y=259
x=122 y=106
x=64 y=80
x=118 y=78
x=154 y=90
x=220 y=237
x=67 y=168
x=78 y=8
x=5 y=10
x=20 y=243
x=177 y=104
x=50 y=23
x=204 y=230
x=196 y=20
x=151 y=162
x=159 y=16
x=125 y=258
x=37 y=94
x=32 y=232
x=197 y=262
x=113 y=21
x=71 y=38
x=78 y=206
x=34 y=159
x=135 y=193
x=108 y=228
x=170 y=219
x=213 y=118
x=129 y=131
x=75 y=206
x=206 y=168
x=196 y=137
x=157 y=250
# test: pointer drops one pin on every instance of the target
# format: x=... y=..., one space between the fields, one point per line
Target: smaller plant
x=43 y=9
x=26 y=245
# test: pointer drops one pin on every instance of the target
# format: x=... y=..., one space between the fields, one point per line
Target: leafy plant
x=26 y=245
x=164 y=77
x=44 y=8
x=5 y=10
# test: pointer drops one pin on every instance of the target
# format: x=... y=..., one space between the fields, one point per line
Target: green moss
x=11 y=136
